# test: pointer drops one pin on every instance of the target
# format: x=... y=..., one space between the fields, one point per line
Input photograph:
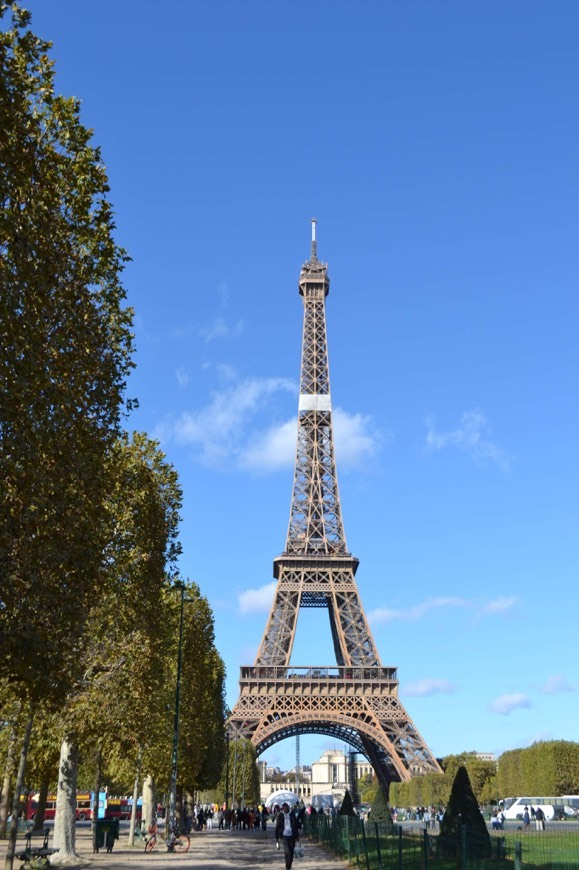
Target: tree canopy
x=65 y=353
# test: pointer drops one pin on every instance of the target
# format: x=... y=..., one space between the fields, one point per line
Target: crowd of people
x=429 y=816
x=203 y=817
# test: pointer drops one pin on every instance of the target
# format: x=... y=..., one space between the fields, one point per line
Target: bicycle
x=175 y=842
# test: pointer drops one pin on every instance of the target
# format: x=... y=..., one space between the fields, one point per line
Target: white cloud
x=556 y=684
x=221 y=432
x=506 y=704
x=499 y=605
x=472 y=436
x=271 y=450
x=427 y=686
x=217 y=429
x=354 y=437
x=182 y=377
x=257 y=600
x=412 y=614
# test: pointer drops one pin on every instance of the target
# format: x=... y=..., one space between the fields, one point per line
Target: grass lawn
x=547 y=850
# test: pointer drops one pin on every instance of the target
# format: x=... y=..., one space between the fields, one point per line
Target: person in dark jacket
x=286 y=831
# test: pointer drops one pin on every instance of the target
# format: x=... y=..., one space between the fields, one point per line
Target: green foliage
x=549 y=767
x=434 y=789
x=545 y=768
x=367 y=787
x=65 y=353
x=347 y=808
x=463 y=811
x=202 y=734
x=239 y=776
x=379 y=812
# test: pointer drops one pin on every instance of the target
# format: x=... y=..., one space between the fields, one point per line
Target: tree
x=65 y=354
x=347 y=808
x=202 y=731
x=240 y=776
x=128 y=627
x=463 y=814
x=367 y=785
x=379 y=812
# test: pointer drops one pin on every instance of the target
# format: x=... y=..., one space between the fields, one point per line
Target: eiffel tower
x=355 y=700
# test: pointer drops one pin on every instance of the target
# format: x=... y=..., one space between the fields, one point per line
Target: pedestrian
x=286 y=832
x=540 y=819
x=526 y=817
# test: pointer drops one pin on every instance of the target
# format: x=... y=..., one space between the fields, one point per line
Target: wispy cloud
x=257 y=600
x=221 y=328
x=218 y=429
x=427 y=686
x=381 y=615
x=506 y=704
x=182 y=377
x=499 y=605
x=355 y=437
x=225 y=433
x=473 y=435
x=556 y=684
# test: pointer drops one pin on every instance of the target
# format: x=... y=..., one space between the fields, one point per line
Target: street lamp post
x=180 y=586
x=227 y=771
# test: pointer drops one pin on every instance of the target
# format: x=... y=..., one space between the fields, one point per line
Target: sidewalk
x=210 y=850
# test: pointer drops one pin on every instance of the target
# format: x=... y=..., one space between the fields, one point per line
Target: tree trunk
x=40 y=811
x=65 y=818
x=149 y=803
x=7 y=784
x=134 y=806
x=9 y=861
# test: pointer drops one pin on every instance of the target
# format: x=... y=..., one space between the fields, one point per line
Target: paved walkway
x=210 y=850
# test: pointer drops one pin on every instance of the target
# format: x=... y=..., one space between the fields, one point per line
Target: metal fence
x=378 y=847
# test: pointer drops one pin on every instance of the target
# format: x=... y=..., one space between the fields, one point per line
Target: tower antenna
x=314 y=243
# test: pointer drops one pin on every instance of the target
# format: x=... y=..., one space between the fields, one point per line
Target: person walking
x=539 y=819
x=286 y=831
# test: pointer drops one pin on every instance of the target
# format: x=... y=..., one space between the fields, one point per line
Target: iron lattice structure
x=356 y=699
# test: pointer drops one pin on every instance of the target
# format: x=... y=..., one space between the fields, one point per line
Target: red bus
x=120 y=808
x=83 y=806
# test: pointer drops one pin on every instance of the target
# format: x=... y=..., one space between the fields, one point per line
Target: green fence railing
x=379 y=847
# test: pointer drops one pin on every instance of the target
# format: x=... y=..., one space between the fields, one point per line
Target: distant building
x=330 y=775
x=486 y=756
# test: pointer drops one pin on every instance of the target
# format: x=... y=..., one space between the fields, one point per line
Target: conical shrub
x=463 y=811
x=379 y=811
x=347 y=808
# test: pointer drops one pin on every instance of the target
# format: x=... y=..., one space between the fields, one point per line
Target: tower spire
x=314 y=256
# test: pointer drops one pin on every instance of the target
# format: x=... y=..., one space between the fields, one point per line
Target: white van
x=549 y=805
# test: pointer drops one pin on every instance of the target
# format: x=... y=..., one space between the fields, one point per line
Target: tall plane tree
x=65 y=352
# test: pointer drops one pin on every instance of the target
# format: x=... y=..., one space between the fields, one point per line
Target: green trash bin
x=107 y=831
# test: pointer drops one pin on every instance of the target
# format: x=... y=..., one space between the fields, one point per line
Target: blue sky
x=437 y=143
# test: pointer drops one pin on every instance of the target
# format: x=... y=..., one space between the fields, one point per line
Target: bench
x=36 y=853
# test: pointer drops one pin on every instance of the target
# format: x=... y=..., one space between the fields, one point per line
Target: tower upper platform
x=314 y=278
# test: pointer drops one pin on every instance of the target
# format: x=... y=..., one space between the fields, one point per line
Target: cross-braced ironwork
x=355 y=700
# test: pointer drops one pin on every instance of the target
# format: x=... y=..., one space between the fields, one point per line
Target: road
x=210 y=850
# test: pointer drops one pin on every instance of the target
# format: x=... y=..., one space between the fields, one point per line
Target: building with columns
x=330 y=775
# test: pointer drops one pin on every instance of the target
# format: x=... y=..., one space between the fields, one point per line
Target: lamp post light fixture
x=178 y=586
